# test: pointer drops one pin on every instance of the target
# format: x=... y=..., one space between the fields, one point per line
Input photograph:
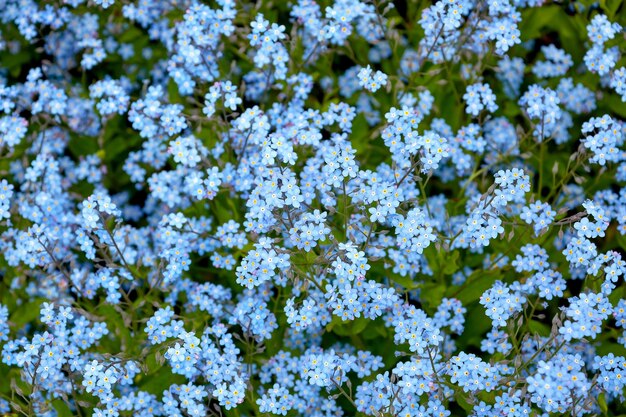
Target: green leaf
x=475 y=286
x=610 y=7
x=615 y=103
x=62 y=409
x=476 y=324
x=535 y=19
x=462 y=402
x=441 y=261
x=172 y=91
x=124 y=338
x=614 y=348
x=116 y=146
x=159 y=378
x=83 y=145
x=26 y=313
x=374 y=330
x=347 y=328
x=131 y=35
x=15 y=62
x=405 y=282
x=602 y=403
x=450 y=262
x=539 y=328
x=432 y=294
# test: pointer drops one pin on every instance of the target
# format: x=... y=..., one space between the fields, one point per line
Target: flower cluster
x=604 y=137
x=480 y=97
x=542 y=106
x=312 y=208
x=371 y=82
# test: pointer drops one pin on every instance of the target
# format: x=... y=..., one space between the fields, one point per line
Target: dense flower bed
x=312 y=208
